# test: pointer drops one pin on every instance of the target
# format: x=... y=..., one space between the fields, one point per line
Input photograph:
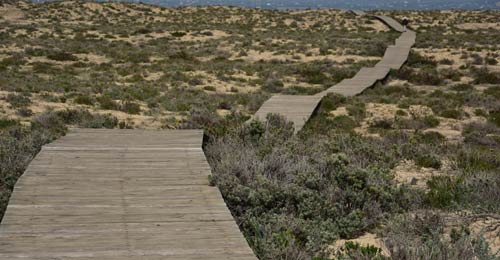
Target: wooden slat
x=120 y=194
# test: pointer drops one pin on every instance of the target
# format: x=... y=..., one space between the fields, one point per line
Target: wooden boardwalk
x=142 y=194
x=120 y=195
x=298 y=109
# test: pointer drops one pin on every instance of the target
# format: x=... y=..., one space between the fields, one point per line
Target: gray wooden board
x=120 y=194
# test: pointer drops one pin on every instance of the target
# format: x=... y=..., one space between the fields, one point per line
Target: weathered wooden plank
x=120 y=194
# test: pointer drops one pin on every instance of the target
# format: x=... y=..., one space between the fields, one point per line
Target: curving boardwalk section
x=395 y=25
x=120 y=195
x=298 y=109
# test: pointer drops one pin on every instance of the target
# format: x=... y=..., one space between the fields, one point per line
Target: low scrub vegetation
x=415 y=161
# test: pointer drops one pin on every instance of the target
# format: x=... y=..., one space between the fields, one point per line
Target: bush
x=18 y=100
x=107 y=102
x=353 y=250
x=430 y=121
x=462 y=87
x=417 y=60
x=84 y=100
x=280 y=187
x=178 y=34
x=484 y=76
x=82 y=118
x=428 y=161
x=430 y=137
x=452 y=113
x=420 y=236
x=299 y=90
x=4 y=123
x=493 y=91
x=471 y=159
x=446 y=62
x=357 y=110
x=343 y=122
x=383 y=123
x=209 y=88
x=445 y=191
x=24 y=112
x=494 y=117
x=273 y=86
x=491 y=61
x=62 y=56
x=131 y=108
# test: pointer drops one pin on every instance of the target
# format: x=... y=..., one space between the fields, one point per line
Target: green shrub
x=108 y=103
x=62 y=56
x=430 y=121
x=480 y=112
x=357 y=110
x=273 y=86
x=299 y=90
x=209 y=88
x=430 y=137
x=383 y=123
x=462 y=87
x=18 y=100
x=131 y=108
x=343 y=122
x=24 y=112
x=277 y=185
x=446 y=62
x=4 y=123
x=445 y=191
x=424 y=232
x=484 y=76
x=491 y=61
x=452 y=113
x=494 y=117
x=417 y=60
x=178 y=34
x=428 y=161
x=354 y=250
x=331 y=102
x=471 y=159
x=84 y=100
x=493 y=91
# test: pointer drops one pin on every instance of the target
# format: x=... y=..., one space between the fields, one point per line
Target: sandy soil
x=11 y=13
x=254 y=56
x=364 y=240
x=408 y=173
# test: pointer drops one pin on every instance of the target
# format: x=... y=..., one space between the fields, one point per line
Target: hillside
x=407 y=170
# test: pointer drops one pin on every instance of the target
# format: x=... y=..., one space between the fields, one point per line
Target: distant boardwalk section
x=120 y=195
x=298 y=109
